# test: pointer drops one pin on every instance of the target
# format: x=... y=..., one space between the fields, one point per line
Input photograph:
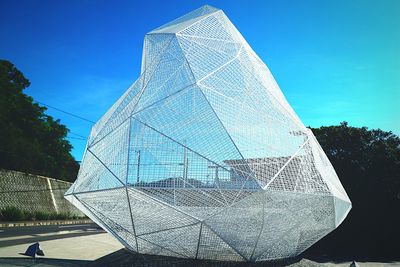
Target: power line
x=66 y=112
x=78 y=135
x=76 y=138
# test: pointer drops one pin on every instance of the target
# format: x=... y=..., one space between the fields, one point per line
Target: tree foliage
x=30 y=140
x=368 y=165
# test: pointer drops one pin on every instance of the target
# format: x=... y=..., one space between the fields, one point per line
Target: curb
x=42 y=223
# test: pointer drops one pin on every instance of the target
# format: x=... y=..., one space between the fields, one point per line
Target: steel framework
x=203 y=157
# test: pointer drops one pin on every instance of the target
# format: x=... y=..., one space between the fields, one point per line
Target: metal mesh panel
x=288 y=217
x=181 y=240
x=186 y=20
x=204 y=158
x=153 y=45
x=111 y=208
x=151 y=215
x=94 y=175
x=240 y=224
x=119 y=114
x=111 y=150
x=188 y=120
x=212 y=247
x=147 y=247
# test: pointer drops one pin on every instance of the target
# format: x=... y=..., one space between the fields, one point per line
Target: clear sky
x=334 y=60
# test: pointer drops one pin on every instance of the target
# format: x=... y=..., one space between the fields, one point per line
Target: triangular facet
x=308 y=237
x=121 y=112
x=146 y=247
x=306 y=177
x=244 y=220
x=111 y=207
x=183 y=240
x=202 y=29
x=286 y=216
x=184 y=179
x=94 y=175
x=218 y=56
x=172 y=75
x=212 y=247
x=187 y=118
x=186 y=20
x=327 y=171
x=74 y=201
x=258 y=126
x=154 y=47
x=342 y=208
x=148 y=212
x=111 y=150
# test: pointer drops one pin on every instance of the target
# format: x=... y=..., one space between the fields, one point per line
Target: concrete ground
x=87 y=245
x=63 y=245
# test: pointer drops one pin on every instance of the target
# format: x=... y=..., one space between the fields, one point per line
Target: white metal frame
x=204 y=158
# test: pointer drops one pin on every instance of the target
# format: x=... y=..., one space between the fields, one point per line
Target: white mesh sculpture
x=204 y=158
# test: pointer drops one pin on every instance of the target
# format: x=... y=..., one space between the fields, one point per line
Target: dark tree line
x=368 y=165
x=30 y=140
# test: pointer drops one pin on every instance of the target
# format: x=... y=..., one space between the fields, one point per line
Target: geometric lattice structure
x=203 y=157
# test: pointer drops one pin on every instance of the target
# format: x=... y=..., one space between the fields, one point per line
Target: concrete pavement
x=63 y=245
x=88 y=248
x=89 y=245
x=30 y=234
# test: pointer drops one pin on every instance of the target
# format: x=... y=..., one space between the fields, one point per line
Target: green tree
x=368 y=165
x=30 y=140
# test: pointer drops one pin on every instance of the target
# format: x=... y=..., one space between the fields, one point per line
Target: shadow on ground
x=42 y=262
x=126 y=258
x=34 y=239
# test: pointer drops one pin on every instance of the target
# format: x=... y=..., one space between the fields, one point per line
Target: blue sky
x=334 y=60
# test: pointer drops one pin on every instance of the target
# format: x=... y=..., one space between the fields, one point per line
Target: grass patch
x=12 y=213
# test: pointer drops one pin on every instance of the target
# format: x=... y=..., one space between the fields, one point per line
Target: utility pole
x=138 y=166
x=216 y=177
x=185 y=166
